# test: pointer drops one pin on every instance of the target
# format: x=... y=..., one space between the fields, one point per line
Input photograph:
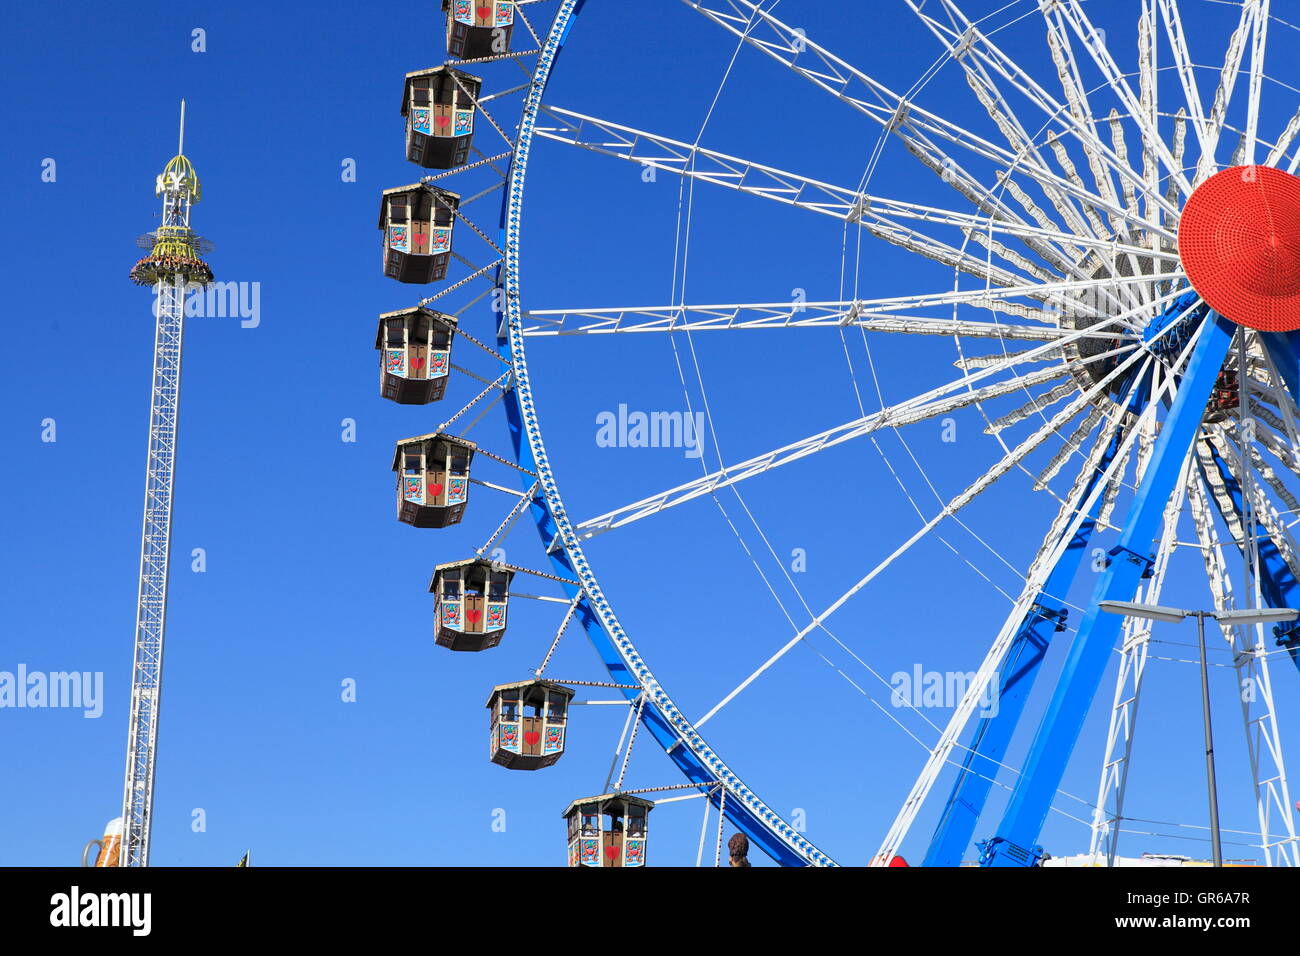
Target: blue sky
x=310 y=581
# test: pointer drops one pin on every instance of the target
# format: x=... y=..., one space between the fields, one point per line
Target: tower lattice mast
x=173 y=265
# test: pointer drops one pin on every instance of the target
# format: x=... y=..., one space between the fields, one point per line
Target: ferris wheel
x=1111 y=234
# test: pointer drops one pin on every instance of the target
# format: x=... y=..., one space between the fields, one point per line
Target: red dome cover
x=1239 y=242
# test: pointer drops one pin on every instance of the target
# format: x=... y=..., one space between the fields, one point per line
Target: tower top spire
x=179 y=175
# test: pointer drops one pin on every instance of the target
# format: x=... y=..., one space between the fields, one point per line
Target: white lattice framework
x=1062 y=243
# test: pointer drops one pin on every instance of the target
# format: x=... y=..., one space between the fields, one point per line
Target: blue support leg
x=1277 y=582
x=1284 y=349
x=955 y=832
x=1015 y=844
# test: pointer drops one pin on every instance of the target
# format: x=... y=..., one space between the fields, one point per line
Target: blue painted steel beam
x=1090 y=652
x=955 y=832
x=1277 y=582
x=1284 y=349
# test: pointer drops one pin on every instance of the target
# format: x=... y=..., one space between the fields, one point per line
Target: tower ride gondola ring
x=1091 y=275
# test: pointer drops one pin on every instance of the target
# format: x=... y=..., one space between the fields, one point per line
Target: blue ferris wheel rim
x=660 y=717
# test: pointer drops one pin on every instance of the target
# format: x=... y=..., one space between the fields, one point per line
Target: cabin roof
x=414 y=187
x=605 y=798
x=439 y=568
x=451 y=320
x=471 y=82
x=548 y=684
x=463 y=442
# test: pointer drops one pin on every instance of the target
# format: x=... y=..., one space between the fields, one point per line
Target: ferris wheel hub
x=1239 y=242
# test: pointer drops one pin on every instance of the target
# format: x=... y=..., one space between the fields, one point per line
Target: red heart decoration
x=444 y=120
x=485 y=12
x=611 y=851
x=435 y=490
x=473 y=615
x=531 y=736
x=418 y=363
x=420 y=238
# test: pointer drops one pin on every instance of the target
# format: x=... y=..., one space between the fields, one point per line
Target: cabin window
x=510 y=706
x=397 y=208
x=590 y=822
x=459 y=462
x=558 y=702
x=616 y=823
x=636 y=822
x=441 y=338
x=412 y=463
x=497 y=588
x=451 y=590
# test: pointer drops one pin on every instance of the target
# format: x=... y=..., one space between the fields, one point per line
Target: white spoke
x=972 y=39
x=1223 y=94
x=1008 y=462
x=1148 y=62
x=916 y=409
x=1076 y=95
x=1032 y=407
x=896 y=113
x=1284 y=142
x=1258 y=48
x=671 y=318
x=1111 y=493
x=705 y=318
x=1186 y=71
x=1179 y=147
x=990 y=96
x=933 y=403
x=968 y=362
x=1068 y=448
x=875 y=213
x=1072 y=12
x=1262 y=509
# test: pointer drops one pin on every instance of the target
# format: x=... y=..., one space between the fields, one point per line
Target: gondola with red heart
x=417 y=222
x=439 y=106
x=471 y=599
x=414 y=348
x=529 y=723
x=478 y=28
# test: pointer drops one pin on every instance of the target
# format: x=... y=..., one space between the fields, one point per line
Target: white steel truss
x=151 y=610
x=1255 y=685
x=876 y=214
x=919 y=408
